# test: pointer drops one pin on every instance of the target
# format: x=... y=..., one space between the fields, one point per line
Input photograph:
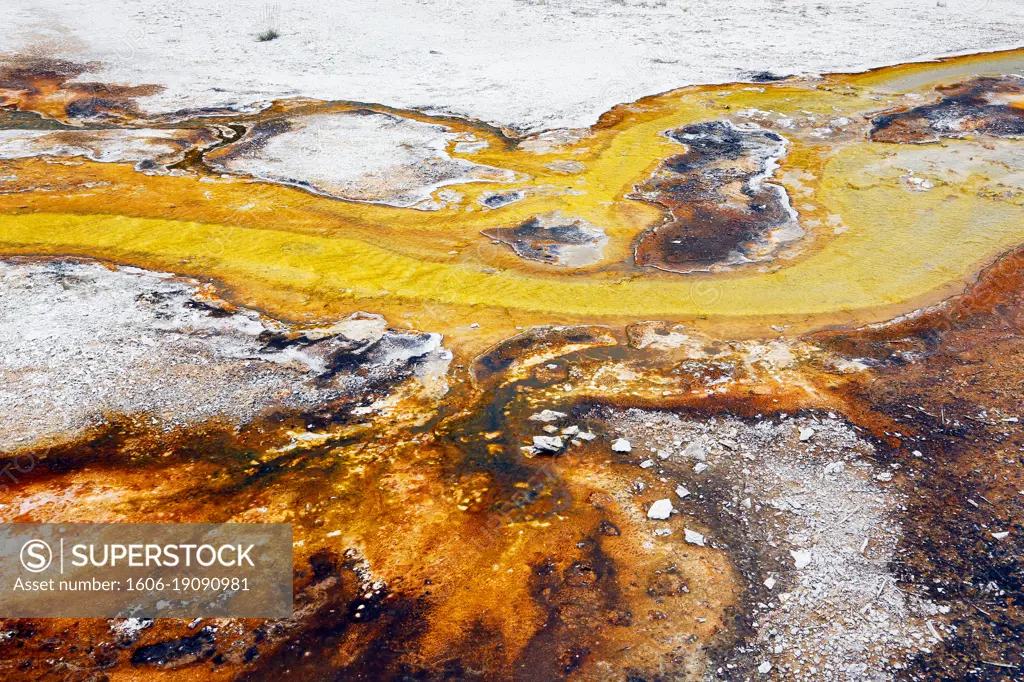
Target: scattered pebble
x=548 y=416
x=835 y=468
x=693 y=537
x=660 y=510
x=695 y=450
x=548 y=444
x=622 y=445
x=801 y=558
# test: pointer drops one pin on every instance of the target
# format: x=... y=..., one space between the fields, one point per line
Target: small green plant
x=269 y=34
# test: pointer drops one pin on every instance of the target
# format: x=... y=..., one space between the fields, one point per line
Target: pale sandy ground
x=527 y=65
x=106 y=146
x=80 y=342
x=822 y=518
x=358 y=156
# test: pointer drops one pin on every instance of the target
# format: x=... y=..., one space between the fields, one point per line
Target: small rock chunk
x=660 y=510
x=693 y=537
x=548 y=416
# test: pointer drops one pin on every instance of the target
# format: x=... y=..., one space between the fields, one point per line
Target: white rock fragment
x=801 y=558
x=835 y=468
x=764 y=668
x=664 y=454
x=548 y=416
x=770 y=583
x=647 y=464
x=662 y=532
x=130 y=628
x=700 y=468
x=681 y=491
x=660 y=510
x=548 y=444
x=695 y=450
x=622 y=445
x=693 y=537
x=571 y=430
x=806 y=434
x=1000 y=535
x=587 y=435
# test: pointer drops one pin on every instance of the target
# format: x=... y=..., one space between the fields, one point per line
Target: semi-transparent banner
x=145 y=570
